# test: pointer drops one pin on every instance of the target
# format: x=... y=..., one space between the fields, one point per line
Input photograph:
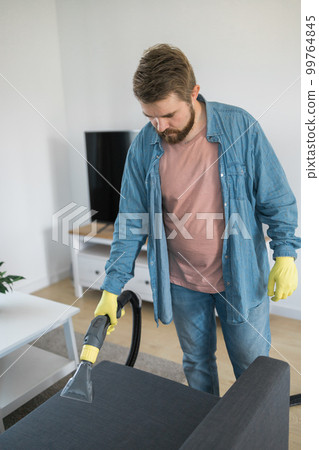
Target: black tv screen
x=106 y=152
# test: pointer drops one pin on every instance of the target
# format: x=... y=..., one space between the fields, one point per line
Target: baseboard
x=35 y=285
x=285 y=311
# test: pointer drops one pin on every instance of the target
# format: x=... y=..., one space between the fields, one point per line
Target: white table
x=26 y=370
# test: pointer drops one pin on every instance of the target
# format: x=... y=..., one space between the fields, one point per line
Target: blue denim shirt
x=255 y=190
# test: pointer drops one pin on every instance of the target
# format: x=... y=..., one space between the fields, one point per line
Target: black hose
x=295 y=400
x=129 y=297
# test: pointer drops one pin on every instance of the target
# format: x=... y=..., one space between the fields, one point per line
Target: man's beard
x=172 y=136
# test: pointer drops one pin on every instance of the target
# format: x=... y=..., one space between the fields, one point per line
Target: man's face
x=172 y=118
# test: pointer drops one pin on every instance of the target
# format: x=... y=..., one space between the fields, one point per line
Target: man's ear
x=195 y=92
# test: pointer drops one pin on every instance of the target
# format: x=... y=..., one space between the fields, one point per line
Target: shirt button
x=226 y=256
x=228 y=283
x=225 y=204
x=221 y=174
x=152 y=263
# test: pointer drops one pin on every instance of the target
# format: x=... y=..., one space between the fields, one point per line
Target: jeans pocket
x=227 y=312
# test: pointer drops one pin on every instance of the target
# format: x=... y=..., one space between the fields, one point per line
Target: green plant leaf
x=16 y=278
x=9 y=280
x=3 y=289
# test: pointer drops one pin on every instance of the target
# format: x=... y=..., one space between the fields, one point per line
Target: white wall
x=34 y=177
x=244 y=52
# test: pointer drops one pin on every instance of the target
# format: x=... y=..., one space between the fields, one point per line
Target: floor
x=162 y=341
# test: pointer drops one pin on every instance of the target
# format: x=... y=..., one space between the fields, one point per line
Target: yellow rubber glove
x=284 y=274
x=108 y=305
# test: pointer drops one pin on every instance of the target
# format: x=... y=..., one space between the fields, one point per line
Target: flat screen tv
x=106 y=152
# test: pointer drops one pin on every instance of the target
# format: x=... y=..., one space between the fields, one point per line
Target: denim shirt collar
x=213 y=128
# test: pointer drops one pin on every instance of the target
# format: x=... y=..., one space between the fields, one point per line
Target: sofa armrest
x=253 y=414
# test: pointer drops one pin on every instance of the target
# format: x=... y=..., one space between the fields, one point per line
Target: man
x=206 y=178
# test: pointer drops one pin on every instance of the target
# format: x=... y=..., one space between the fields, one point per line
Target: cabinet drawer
x=91 y=271
x=141 y=283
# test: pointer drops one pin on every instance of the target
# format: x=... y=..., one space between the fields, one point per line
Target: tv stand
x=90 y=253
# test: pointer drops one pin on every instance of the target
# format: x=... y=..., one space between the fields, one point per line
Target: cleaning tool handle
x=97 y=331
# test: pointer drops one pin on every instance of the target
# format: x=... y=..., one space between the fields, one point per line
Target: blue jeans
x=195 y=322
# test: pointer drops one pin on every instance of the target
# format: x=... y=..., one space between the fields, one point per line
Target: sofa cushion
x=131 y=409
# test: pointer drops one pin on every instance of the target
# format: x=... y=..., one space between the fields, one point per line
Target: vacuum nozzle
x=79 y=387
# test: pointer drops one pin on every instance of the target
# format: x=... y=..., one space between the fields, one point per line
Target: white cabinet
x=141 y=281
x=91 y=262
x=89 y=258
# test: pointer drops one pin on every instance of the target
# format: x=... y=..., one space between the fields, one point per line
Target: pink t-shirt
x=193 y=213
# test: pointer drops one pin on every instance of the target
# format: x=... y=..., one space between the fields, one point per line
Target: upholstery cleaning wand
x=80 y=387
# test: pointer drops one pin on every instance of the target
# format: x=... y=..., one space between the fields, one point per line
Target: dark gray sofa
x=133 y=409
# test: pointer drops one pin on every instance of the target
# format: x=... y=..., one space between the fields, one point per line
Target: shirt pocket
x=236 y=180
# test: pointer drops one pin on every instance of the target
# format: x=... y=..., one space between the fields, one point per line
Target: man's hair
x=162 y=70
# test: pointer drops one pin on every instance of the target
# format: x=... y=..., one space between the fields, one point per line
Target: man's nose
x=161 y=124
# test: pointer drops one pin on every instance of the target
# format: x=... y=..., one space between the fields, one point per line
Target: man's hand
x=108 y=306
x=285 y=275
